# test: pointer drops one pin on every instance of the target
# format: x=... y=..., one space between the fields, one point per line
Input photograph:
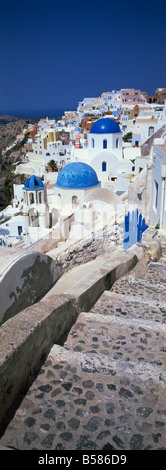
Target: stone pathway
x=104 y=389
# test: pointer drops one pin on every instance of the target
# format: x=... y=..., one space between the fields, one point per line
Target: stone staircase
x=104 y=389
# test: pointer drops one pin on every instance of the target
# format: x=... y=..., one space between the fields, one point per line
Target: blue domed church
x=105 y=134
x=105 y=155
x=74 y=181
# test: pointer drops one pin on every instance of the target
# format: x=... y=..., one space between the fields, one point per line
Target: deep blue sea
x=36 y=113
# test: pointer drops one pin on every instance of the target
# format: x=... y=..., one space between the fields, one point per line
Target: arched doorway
x=74 y=201
x=33 y=218
x=104 y=166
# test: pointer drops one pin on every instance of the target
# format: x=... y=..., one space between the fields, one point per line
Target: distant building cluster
x=82 y=163
x=159 y=96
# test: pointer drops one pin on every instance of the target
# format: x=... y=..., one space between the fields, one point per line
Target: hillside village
x=124 y=154
x=82 y=277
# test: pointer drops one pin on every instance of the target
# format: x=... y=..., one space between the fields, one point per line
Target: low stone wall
x=102 y=241
x=94 y=284
x=26 y=337
x=29 y=276
x=24 y=281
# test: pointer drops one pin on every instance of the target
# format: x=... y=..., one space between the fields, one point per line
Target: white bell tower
x=35 y=206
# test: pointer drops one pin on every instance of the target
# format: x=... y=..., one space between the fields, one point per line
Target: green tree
x=127 y=137
x=53 y=165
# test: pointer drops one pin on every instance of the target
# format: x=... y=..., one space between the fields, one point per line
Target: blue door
x=134 y=227
x=19 y=230
x=104 y=166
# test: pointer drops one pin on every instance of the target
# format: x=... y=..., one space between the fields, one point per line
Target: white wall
x=140 y=163
x=99 y=138
x=24 y=280
x=111 y=165
x=144 y=130
x=34 y=234
x=63 y=198
x=115 y=168
x=14 y=223
x=9 y=232
x=18 y=191
x=158 y=189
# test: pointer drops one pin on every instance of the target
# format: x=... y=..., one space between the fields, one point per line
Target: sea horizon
x=35 y=114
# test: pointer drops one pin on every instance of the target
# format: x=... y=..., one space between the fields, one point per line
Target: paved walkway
x=104 y=389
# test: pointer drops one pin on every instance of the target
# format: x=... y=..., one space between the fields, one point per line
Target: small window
x=104 y=144
x=104 y=166
x=74 y=201
x=31 y=198
x=155 y=194
x=151 y=131
x=117 y=143
x=93 y=143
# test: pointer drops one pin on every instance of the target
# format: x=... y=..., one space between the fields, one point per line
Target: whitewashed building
x=114 y=164
x=158 y=188
x=35 y=210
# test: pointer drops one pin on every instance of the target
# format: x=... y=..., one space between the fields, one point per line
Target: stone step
x=157 y=264
x=163 y=251
x=119 y=338
x=90 y=402
x=111 y=303
x=148 y=290
x=157 y=272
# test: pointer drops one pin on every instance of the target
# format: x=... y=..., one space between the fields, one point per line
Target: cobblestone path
x=104 y=389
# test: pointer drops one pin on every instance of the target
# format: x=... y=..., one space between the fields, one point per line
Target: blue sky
x=53 y=54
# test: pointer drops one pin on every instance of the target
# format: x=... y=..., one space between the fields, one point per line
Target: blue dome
x=77 y=175
x=33 y=183
x=105 y=126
